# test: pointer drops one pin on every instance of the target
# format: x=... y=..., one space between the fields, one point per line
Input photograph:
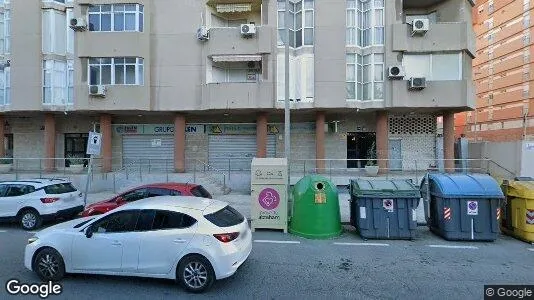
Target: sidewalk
x=242 y=202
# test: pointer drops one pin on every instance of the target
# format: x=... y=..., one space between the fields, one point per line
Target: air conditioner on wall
x=78 y=24
x=420 y=26
x=395 y=72
x=97 y=90
x=417 y=83
x=203 y=33
x=248 y=30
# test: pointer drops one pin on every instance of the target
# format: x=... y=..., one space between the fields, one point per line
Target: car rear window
x=225 y=217
x=59 y=188
x=200 y=191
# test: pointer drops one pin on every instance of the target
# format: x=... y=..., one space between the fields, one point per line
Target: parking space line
x=276 y=242
x=362 y=244
x=452 y=247
x=530 y=249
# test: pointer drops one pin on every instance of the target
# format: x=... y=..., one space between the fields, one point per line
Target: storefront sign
x=155 y=129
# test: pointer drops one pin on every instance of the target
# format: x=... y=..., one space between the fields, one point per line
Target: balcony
x=118 y=97
x=454 y=36
x=451 y=94
x=228 y=40
x=238 y=95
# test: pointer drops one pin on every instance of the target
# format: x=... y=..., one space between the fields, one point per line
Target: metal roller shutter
x=148 y=150
x=236 y=151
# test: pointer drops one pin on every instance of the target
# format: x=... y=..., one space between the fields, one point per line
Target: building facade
x=502 y=71
x=172 y=82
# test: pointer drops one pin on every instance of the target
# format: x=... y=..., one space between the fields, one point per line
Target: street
x=285 y=266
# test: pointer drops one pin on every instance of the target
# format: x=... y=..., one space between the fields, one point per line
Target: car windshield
x=60 y=188
x=225 y=217
x=200 y=191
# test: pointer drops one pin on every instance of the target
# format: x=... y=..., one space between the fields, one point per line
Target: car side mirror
x=89 y=232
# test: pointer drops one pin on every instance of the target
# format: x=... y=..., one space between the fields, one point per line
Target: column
x=105 y=129
x=320 y=142
x=2 y=134
x=49 y=142
x=261 y=135
x=382 y=141
x=448 y=141
x=179 y=143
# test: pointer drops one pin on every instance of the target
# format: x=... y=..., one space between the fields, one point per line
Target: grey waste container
x=384 y=209
x=463 y=206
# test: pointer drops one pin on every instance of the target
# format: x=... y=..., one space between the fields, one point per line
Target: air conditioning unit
x=395 y=72
x=203 y=33
x=420 y=26
x=97 y=90
x=248 y=30
x=78 y=24
x=417 y=83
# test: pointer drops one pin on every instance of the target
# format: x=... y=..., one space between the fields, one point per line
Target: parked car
x=192 y=240
x=32 y=201
x=146 y=191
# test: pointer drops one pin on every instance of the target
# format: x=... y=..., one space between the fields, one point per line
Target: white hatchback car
x=33 y=201
x=190 y=239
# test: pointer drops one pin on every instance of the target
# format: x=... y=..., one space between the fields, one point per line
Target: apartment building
x=176 y=81
x=502 y=71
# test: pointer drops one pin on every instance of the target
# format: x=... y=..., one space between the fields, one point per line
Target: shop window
x=75 y=148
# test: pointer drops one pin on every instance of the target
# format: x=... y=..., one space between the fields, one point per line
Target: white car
x=33 y=201
x=190 y=239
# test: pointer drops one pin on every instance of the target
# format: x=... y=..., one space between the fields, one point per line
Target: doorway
x=75 y=147
x=359 y=146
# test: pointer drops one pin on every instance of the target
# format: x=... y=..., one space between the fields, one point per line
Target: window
x=3 y=189
x=365 y=76
x=116 y=71
x=58 y=82
x=301 y=23
x=19 y=190
x=123 y=221
x=172 y=220
x=235 y=71
x=433 y=67
x=60 y=188
x=135 y=195
x=5 y=31
x=365 y=22
x=225 y=217
x=5 y=86
x=200 y=191
x=75 y=147
x=116 y=17
x=154 y=192
x=301 y=77
x=54 y=37
x=145 y=221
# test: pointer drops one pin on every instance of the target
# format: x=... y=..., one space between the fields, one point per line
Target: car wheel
x=195 y=274
x=30 y=219
x=49 y=265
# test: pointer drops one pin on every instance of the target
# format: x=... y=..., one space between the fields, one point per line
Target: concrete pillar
x=261 y=135
x=179 y=143
x=448 y=141
x=49 y=142
x=320 y=141
x=2 y=134
x=382 y=141
x=105 y=129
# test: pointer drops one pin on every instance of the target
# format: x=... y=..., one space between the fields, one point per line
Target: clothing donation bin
x=518 y=209
x=384 y=209
x=315 y=212
x=464 y=206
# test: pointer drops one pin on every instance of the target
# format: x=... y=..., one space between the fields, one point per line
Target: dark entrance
x=76 y=147
x=359 y=146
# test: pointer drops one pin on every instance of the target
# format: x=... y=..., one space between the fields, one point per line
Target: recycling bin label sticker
x=472 y=208
x=320 y=198
x=269 y=198
x=388 y=204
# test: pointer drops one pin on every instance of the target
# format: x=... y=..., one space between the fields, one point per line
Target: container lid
x=464 y=186
x=521 y=189
x=384 y=189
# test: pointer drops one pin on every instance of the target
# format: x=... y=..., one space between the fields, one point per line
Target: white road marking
x=32 y=232
x=276 y=242
x=452 y=247
x=531 y=249
x=3 y=231
x=362 y=244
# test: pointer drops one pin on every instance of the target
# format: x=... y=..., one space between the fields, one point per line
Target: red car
x=146 y=191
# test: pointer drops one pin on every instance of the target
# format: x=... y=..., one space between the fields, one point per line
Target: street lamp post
x=287 y=122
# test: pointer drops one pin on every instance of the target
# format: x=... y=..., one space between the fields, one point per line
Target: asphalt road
x=287 y=267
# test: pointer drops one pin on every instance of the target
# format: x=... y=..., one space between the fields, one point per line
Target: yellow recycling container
x=518 y=209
